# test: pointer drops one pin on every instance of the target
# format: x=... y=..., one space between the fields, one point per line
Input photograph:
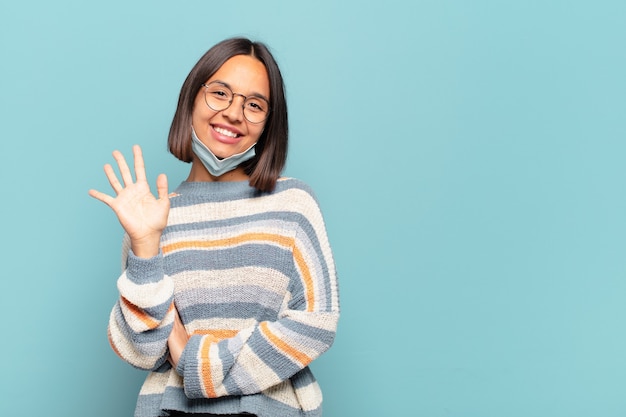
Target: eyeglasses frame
x=230 y=102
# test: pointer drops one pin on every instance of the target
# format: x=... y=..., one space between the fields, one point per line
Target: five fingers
x=127 y=177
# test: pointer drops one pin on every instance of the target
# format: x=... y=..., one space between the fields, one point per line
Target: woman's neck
x=199 y=173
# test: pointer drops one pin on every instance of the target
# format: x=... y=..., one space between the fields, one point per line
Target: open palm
x=142 y=215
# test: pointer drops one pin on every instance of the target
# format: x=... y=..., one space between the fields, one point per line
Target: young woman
x=228 y=289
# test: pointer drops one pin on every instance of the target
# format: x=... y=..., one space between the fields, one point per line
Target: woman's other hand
x=142 y=216
x=177 y=340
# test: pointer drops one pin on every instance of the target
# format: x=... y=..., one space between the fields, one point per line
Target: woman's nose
x=235 y=110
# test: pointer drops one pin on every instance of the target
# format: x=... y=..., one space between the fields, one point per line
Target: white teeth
x=225 y=132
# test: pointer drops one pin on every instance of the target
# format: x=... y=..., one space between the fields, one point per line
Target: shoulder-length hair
x=271 y=148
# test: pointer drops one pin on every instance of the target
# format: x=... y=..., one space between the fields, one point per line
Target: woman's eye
x=220 y=93
x=255 y=105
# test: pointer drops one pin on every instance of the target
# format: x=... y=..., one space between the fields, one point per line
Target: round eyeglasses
x=219 y=97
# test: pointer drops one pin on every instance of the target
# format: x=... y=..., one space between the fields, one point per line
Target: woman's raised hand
x=142 y=216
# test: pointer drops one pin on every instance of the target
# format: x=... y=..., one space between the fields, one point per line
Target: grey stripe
x=228 y=311
x=247 y=255
x=228 y=294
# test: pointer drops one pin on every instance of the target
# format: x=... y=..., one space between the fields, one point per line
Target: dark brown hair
x=271 y=148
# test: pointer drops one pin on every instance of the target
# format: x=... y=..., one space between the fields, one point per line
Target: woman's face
x=228 y=132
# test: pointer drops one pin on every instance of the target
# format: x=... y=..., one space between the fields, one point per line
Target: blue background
x=468 y=157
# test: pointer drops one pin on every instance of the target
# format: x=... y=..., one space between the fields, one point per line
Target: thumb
x=162 y=187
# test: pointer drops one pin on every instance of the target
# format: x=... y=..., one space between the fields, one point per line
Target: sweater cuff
x=186 y=365
x=144 y=270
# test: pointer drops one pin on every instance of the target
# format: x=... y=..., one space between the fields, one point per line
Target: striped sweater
x=253 y=279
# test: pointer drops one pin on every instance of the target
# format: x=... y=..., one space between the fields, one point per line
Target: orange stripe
x=140 y=314
x=276 y=341
x=308 y=280
x=205 y=363
x=281 y=240
x=117 y=352
x=218 y=334
x=251 y=237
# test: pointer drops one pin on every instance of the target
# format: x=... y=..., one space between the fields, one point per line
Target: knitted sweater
x=253 y=279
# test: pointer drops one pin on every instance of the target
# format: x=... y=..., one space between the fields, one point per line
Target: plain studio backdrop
x=468 y=157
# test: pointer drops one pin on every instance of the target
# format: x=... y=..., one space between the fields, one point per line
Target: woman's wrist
x=147 y=247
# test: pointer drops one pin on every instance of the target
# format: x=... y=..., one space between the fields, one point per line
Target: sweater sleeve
x=270 y=352
x=142 y=318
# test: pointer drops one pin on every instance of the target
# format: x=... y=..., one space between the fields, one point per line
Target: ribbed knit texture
x=253 y=279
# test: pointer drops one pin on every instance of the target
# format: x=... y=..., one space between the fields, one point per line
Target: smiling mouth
x=225 y=132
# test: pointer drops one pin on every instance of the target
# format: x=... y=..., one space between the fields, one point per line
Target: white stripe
x=146 y=295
